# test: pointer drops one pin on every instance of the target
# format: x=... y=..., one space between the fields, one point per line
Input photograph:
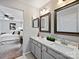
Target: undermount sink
x=62 y=47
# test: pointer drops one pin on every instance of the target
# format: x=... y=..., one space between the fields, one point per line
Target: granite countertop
x=60 y=48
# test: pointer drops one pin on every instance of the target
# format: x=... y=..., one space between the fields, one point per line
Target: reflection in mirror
x=67 y=19
x=45 y=23
x=35 y=23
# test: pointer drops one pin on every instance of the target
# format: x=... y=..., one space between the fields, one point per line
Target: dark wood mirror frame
x=55 y=20
x=49 y=25
x=37 y=19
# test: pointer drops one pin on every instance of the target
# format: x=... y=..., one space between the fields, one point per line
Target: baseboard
x=26 y=53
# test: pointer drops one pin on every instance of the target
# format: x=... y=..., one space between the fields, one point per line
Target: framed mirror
x=45 y=23
x=35 y=23
x=67 y=19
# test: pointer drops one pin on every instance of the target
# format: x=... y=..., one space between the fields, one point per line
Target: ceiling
x=36 y=3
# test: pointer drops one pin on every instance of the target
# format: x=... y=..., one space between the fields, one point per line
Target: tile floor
x=28 y=56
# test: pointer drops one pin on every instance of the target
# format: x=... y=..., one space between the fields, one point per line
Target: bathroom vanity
x=44 y=49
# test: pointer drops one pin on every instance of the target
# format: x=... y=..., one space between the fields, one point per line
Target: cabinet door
x=45 y=55
x=55 y=54
x=38 y=52
x=33 y=48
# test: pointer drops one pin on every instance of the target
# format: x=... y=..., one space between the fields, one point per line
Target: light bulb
x=60 y=1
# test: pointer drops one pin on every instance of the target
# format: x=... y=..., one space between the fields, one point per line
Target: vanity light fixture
x=61 y=1
x=64 y=0
x=44 y=11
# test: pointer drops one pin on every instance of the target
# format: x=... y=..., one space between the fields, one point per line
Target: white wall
x=52 y=5
x=29 y=11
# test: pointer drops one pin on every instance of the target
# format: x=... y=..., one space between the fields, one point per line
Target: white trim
x=26 y=53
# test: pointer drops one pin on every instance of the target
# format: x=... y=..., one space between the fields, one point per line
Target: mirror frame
x=55 y=19
x=37 y=26
x=49 y=19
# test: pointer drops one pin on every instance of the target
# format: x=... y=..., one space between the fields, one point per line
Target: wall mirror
x=45 y=23
x=35 y=23
x=67 y=19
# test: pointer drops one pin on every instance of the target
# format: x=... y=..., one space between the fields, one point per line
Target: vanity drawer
x=44 y=48
x=35 y=42
x=55 y=54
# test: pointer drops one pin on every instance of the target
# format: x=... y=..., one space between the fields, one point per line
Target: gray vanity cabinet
x=38 y=52
x=41 y=51
x=36 y=49
x=32 y=48
x=46 y=55
x=56 y=54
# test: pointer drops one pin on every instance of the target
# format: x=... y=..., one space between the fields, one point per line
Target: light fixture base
x=64 y=0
